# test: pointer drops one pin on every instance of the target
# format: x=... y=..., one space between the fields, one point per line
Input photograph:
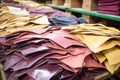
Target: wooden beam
x=58 y=2
x=90 y=5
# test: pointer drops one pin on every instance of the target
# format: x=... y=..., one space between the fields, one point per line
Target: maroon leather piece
x=44 y=72
x=31 y=60
x=32 y=49
x=112 y=8
x=65 y=74
x=24 y=71
x=28 y=78
x=108 y=1
x=91 y=74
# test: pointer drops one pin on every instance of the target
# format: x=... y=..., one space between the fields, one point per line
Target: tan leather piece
x=31 y=4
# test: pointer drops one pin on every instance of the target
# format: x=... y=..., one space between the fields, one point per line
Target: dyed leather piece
x=109 y=7
x=31 y=61
x=10 y=61
x=44 y=72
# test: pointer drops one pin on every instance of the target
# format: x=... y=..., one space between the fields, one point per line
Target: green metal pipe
x=91 y=13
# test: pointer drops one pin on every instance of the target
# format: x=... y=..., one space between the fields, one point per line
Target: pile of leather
x=15 y=19
x=109 y=7
x=32 y=50
x=102 y=40
x=48 y=54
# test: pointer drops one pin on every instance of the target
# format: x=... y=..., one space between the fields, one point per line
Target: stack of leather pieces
x=40 y=10
x=109 y=7
x=48 y=54
x=16 y=19
x=102 y=40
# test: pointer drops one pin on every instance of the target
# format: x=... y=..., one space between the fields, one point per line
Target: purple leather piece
x=31 y=60
x=10 y=61
x=44 y=72
x=32 y=49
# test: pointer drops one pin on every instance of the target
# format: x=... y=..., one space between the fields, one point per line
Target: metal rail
x=91 y=13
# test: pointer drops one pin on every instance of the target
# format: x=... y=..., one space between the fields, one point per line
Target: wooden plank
x=58 y=2
x=90 y=5
x=48 y=1
x=73 y=3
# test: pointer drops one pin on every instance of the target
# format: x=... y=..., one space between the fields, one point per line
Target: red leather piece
x=92 y=63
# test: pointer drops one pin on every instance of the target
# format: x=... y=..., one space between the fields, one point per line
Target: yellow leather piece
x=111 y=68
x=93 y=41
x=112 y=55
x=100 y=57
x=108 y=44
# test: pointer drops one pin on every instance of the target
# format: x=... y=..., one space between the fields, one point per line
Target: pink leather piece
x=61 y=40
x=75 y=61
x=76 y=50
x=58 y=56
